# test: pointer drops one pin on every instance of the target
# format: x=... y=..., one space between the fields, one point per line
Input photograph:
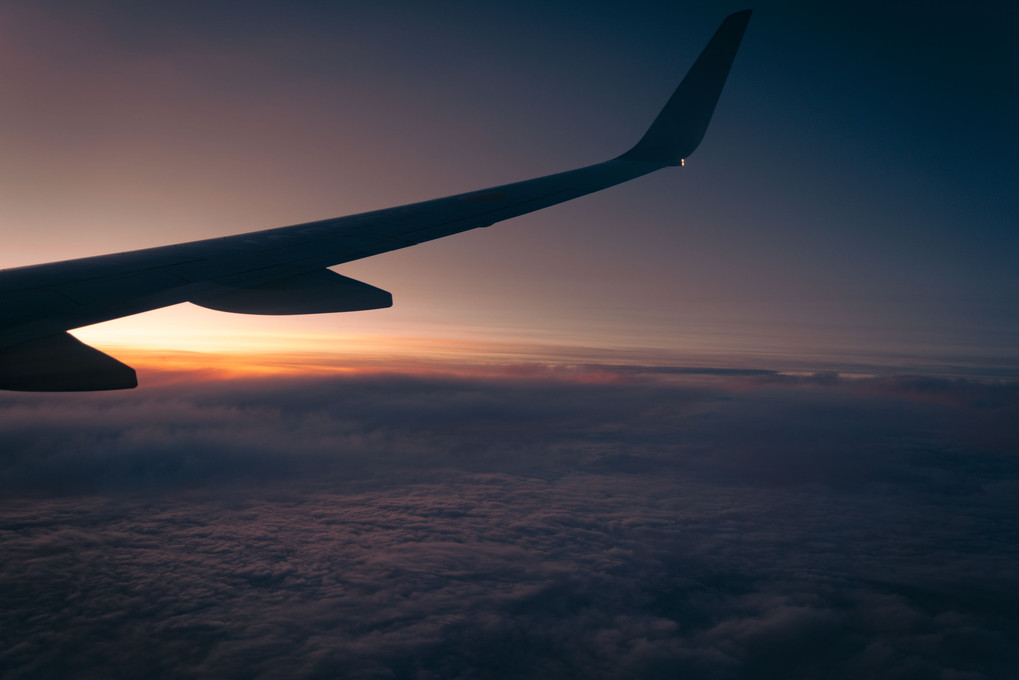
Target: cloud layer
x=397 y=526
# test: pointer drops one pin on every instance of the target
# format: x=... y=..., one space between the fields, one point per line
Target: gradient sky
x=852 y=206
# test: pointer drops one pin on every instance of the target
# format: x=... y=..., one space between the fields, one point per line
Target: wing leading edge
x=284 y=270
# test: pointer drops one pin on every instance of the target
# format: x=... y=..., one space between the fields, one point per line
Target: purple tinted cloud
x=423 y=528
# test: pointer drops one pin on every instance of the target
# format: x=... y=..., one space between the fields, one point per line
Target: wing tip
x=682 y=122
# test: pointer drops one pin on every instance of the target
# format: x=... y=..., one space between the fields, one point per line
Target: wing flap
x=317 y=292
x=61 y=363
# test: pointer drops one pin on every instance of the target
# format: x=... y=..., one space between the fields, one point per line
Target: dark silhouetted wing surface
x=284 y=270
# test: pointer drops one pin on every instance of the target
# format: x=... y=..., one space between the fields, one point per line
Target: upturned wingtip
x=679 y=128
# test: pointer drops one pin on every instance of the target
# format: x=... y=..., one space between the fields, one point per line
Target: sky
x=852 y=203
x=755 y=417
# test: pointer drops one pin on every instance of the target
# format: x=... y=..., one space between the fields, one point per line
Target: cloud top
x=720 y=526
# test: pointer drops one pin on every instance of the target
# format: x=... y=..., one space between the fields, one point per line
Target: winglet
x=680 y=126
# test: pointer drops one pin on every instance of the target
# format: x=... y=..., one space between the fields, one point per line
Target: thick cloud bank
x=396 y=527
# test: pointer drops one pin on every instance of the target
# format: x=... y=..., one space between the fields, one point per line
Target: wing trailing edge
x=318 y=292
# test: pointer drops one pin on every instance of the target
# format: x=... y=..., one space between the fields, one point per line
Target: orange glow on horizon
x=166 y=367
x=189 y=340
x=189 y=343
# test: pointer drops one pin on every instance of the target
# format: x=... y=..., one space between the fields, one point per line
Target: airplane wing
x=285 y=270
